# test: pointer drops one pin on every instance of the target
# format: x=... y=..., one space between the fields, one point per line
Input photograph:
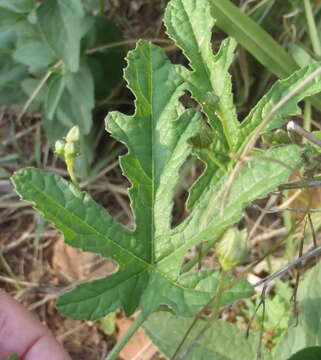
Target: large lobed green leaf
x=158 y=138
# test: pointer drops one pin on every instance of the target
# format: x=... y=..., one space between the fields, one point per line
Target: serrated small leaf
x=60 y=22
x=188 y=27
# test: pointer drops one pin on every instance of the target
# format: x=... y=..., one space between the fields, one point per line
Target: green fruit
x=232 y=249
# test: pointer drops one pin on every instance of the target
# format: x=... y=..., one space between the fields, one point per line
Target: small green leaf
x=29 y=85
x=60 y=22
x=11 y=76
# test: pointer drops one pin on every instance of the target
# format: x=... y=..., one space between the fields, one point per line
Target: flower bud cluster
x=69 y=146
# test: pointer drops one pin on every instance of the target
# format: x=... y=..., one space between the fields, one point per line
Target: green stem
x=70 y=168
x=312 y=28
x=124 y=340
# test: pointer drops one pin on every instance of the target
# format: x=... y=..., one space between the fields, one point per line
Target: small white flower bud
x=73 y=134
x=70 y=149
x=60 y=147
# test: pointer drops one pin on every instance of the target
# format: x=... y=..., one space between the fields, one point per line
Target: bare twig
x=292 y=126
x=310 y=254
